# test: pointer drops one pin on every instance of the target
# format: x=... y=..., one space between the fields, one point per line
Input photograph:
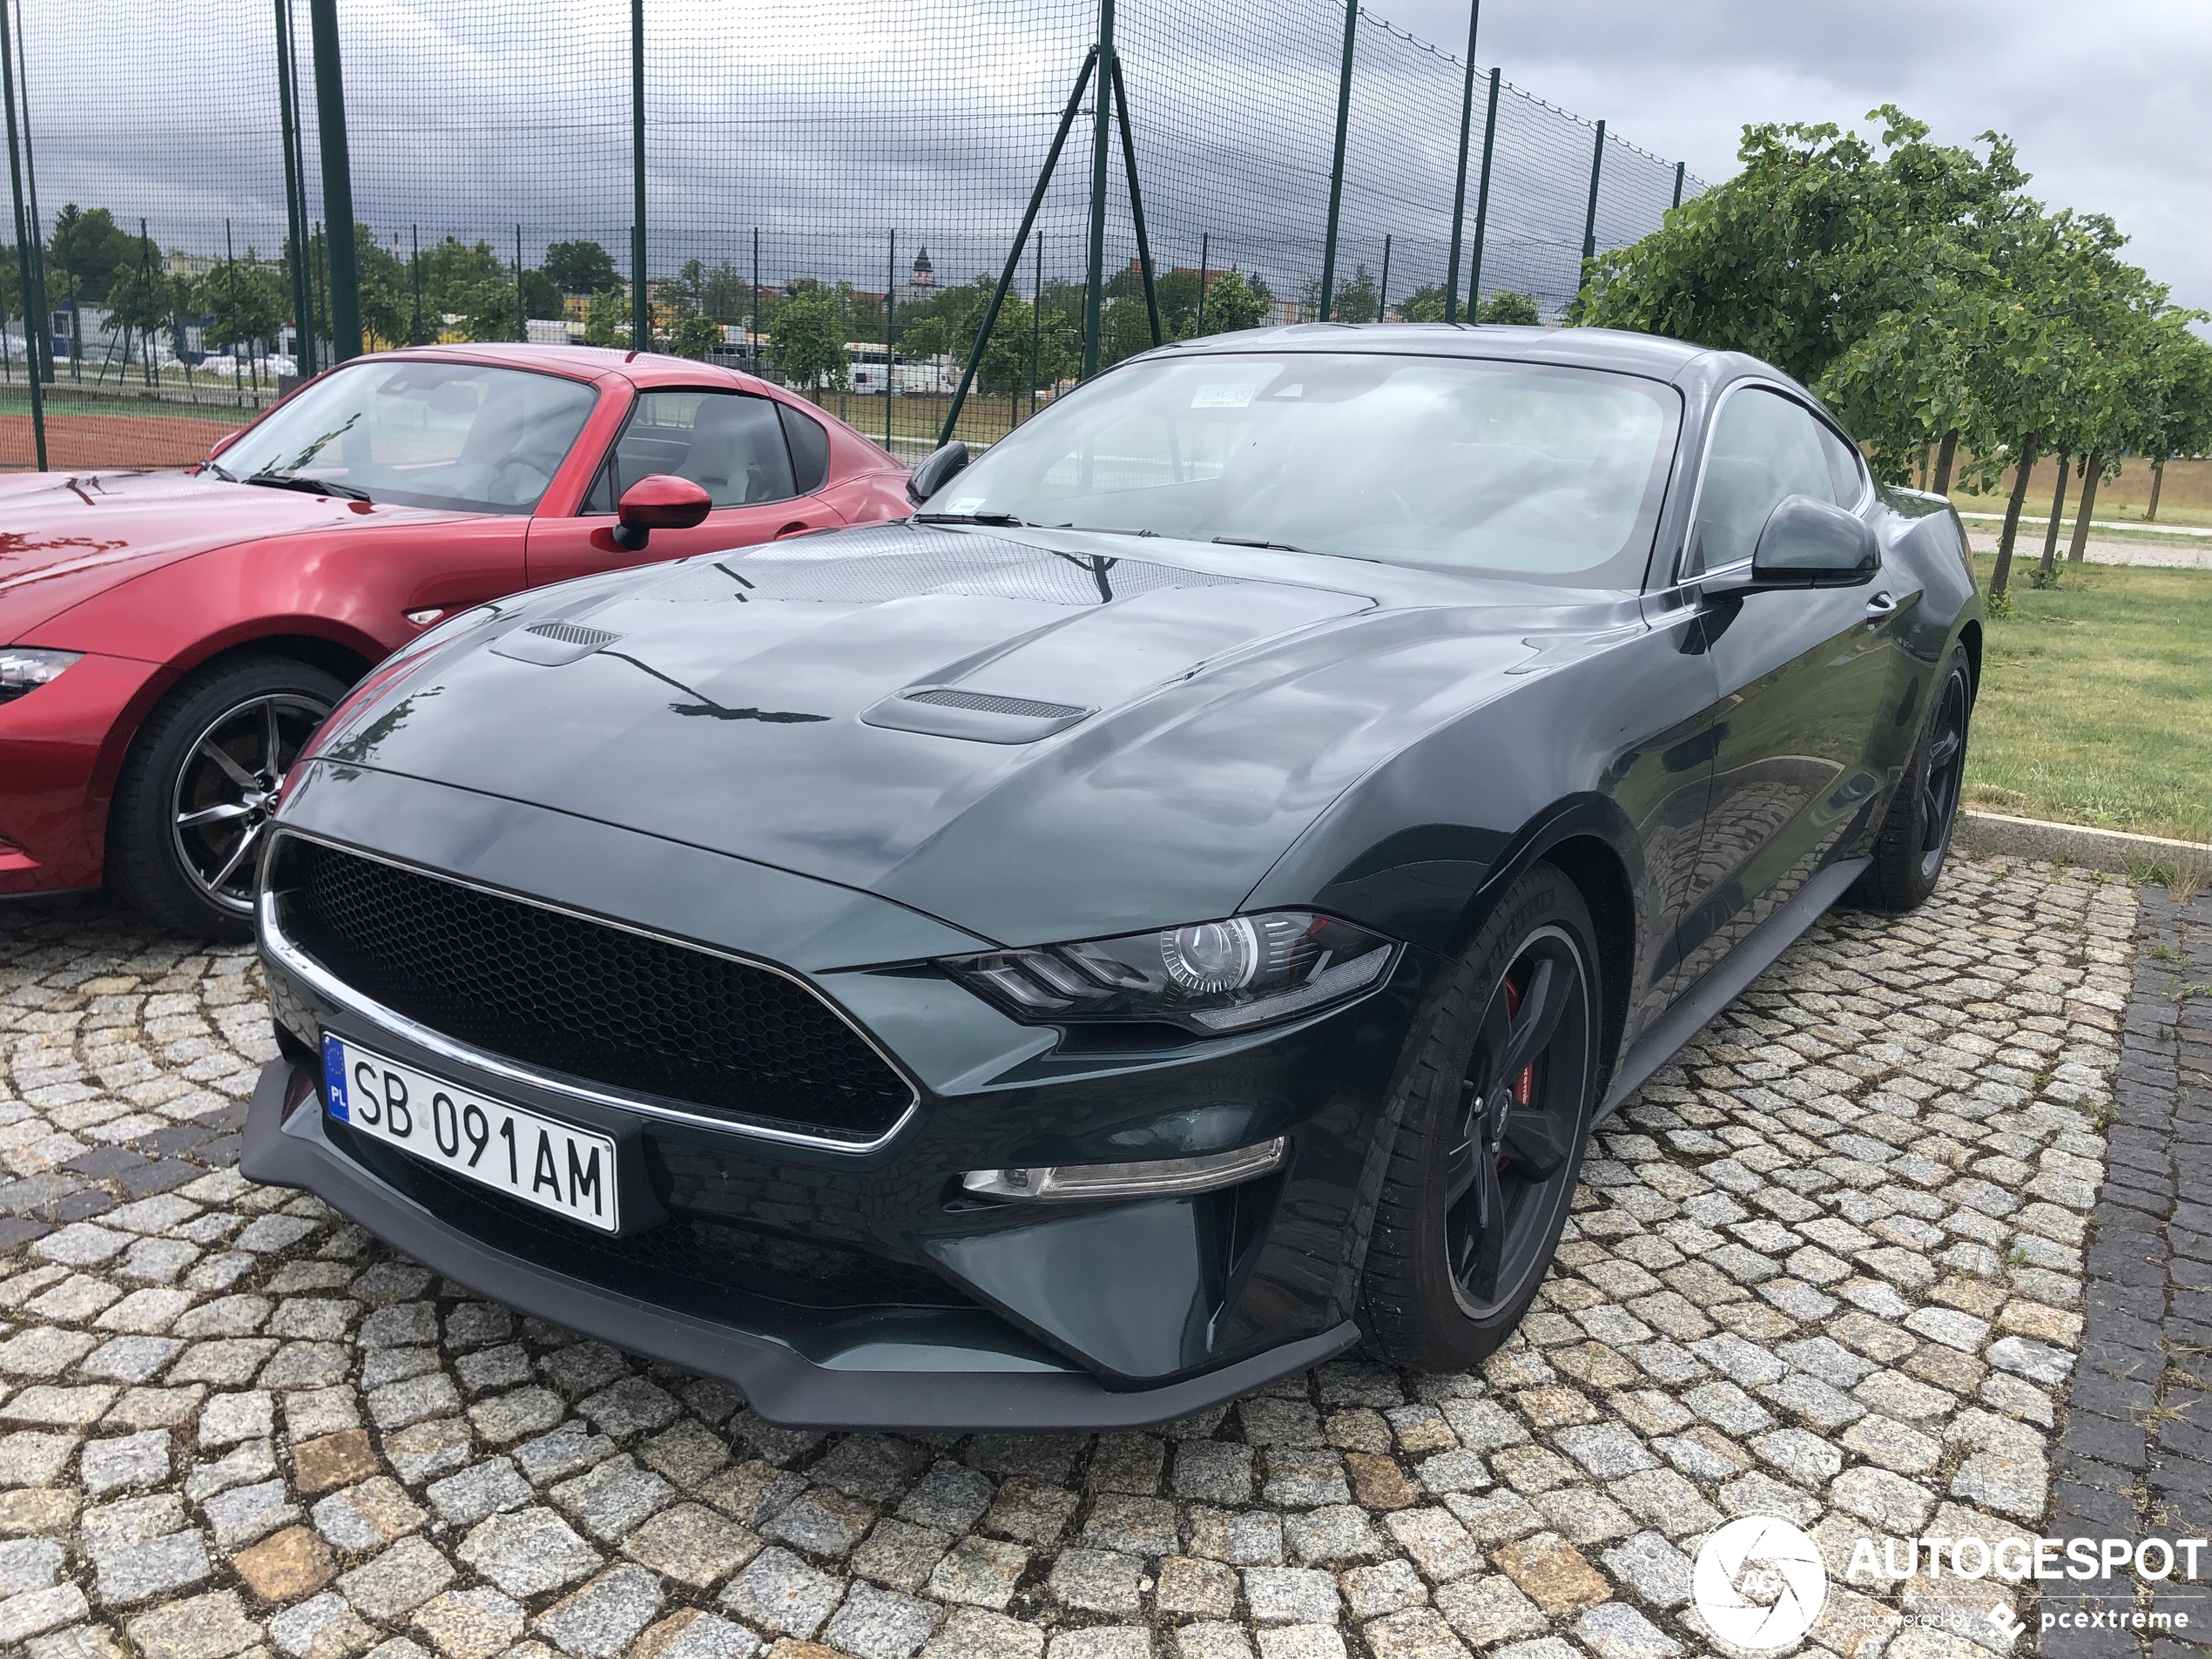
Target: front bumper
x=858 y=1284
x=60 y=748
x=781 y=1383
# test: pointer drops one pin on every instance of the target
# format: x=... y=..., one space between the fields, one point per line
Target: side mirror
x=1807 y=543
x=659 y=501
x=936 y=471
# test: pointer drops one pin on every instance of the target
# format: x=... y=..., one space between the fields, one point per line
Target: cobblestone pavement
x=2136 y=1457
x=1827 y=1267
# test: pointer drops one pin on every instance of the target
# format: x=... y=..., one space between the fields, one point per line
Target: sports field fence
x=227 y=195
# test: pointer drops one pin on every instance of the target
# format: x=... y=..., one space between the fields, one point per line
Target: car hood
x=67 y=536
x=1101 y=743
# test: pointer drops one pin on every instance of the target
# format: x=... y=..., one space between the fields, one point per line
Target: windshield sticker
x=1295 y=389
x=963 y=503
x=1223 y=397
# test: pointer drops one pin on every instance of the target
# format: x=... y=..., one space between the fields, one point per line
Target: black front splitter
x=781 y=1384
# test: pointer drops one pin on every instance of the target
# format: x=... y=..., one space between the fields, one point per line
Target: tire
x=203 y=757
x=1442 y=1290
x=1909 y=852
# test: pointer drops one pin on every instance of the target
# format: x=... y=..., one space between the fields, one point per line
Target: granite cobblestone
x=1905 y=1240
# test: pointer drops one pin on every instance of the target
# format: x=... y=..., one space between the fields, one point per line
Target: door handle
x=797 y=527
x=1881 y=607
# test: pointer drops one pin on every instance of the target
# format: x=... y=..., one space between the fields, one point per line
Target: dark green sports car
x=1170 y=910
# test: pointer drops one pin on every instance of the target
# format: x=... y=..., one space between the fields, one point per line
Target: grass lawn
x=2096 y=701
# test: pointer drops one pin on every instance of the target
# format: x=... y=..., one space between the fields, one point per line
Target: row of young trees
x=1933 y=304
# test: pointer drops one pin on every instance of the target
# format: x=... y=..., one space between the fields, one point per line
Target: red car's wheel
x=192 y=807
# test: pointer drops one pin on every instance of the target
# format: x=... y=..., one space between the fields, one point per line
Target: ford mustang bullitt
x=1173 y=907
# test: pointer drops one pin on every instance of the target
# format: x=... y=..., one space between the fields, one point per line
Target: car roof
x=1609 y=348
x=645 y=368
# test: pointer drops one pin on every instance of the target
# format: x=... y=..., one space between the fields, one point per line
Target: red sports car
x=169 y=640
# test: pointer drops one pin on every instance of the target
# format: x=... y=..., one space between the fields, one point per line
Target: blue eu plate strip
x=333 y=1077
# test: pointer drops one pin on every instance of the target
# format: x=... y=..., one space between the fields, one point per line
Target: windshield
x=1513 y=469
x=421 y=434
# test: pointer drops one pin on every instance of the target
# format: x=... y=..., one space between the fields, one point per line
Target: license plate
x=542 y=1162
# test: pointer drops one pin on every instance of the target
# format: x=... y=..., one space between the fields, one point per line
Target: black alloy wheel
x=1520 y=1112
x=1915 y=838
x=192 y=807
x=1495 y=1098
x=1945 y=774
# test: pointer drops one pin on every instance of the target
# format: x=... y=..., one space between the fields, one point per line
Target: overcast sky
x=831 y=124
x=2110 y=104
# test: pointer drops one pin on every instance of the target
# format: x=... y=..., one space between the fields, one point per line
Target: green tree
x=695 y=337
x=242 y=303
x=141 y=301
x=85 y=250
x=806 y=340
x=1510 y=307
x=580 y=267
x=606 y=320
x=1234 y=300
x=541 y=296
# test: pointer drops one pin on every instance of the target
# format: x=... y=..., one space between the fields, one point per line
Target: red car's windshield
x=422 y=434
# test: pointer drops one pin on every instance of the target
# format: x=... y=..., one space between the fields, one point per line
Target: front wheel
x=192 y=807
x=1916 y=835
x=1496 y=1097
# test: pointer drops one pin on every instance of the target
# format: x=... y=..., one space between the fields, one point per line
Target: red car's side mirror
x=660 y=501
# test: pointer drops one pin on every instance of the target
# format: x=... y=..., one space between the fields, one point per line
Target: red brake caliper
x=1524 y=1087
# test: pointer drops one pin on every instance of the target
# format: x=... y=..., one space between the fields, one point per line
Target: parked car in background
x=1175 y=906
x=169 y=640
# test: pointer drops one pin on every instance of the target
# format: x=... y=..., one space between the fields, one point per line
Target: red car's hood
x=64 y=536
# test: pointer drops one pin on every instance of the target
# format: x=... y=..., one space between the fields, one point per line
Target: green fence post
x=1020 y=239
x=1482 y=199
x=1680 y=167
x=37 y=234
x=344 y=277
x=890 y=317
x=1036 y=323
x=522 y=306
x=1382 y=296
x=22 y=246
x=414 y=277
x=1589 y=219
x=1460 y=178
x=1136 y=205
x=1101 y=136
x=641 y=308
x=1336 y=167
x=295 y=218
x=1206 y=248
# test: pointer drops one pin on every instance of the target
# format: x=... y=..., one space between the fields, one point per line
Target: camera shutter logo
x=1759 y=1582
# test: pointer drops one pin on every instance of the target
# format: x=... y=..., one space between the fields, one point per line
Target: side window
x=1764 y=447
x=731 y=445
x=1843 y=466
x=809 y=449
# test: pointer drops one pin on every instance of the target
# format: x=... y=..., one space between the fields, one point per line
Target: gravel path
x=1829 y=1266
x=2180 y=554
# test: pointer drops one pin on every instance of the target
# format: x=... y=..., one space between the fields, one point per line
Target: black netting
x=797 y=153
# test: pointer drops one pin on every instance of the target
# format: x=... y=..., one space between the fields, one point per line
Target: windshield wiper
x=216 y=467
x=1270 y=547
x=967 y=518
x=311 y=486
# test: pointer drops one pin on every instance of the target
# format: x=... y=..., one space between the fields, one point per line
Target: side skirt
x=1726 y=978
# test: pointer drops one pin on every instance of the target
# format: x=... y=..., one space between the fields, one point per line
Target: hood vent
x=985 y=703
x=551 y=643
x=980 y=717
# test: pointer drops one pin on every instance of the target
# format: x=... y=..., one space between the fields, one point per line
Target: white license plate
x=542 y=1162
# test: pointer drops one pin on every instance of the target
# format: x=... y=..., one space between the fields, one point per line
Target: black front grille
x=593 y=1001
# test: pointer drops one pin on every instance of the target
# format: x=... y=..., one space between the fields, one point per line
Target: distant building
x=922 y=286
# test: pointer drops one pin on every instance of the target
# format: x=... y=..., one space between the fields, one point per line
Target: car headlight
x=24 y=669
x=1211 y=977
